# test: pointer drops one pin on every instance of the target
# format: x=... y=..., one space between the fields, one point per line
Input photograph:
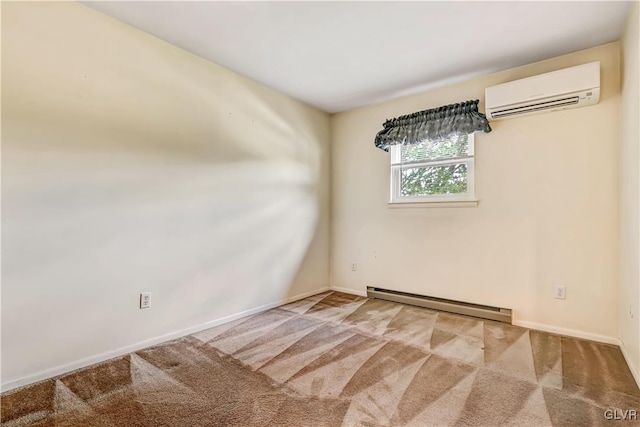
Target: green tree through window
x=433 y=168
x=434 y=180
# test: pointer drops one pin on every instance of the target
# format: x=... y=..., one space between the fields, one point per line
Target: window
x=433 y=171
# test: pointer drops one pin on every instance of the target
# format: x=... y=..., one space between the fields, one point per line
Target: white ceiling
x=341 y=55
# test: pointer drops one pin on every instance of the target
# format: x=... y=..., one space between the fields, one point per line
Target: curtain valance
x=435 y=124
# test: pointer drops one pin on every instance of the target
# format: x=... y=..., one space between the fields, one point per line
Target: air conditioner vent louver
x=559 y=90
x=536 y=107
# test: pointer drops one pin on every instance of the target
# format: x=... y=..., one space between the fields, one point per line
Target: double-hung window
x=433 y=171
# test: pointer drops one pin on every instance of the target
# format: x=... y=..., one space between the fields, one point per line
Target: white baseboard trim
x=88 y=361
x=91 y=360
x=526 y=324
x=632 y=367
x=568 y=332
x=349 y=291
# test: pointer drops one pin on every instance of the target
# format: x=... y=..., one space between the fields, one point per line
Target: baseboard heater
x=458 y=307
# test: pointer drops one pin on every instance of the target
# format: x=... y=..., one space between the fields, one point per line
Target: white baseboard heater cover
x=458 y=307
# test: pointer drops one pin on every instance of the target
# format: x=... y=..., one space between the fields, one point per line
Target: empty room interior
x=320 y=213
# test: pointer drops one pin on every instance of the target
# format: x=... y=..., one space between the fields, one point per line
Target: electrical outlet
x=560 y=292
x=354 y=266
x=145 y=300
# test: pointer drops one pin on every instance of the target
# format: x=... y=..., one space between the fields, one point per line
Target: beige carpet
x=340 y=360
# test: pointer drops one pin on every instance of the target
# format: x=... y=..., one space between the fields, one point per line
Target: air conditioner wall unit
x=559 y=90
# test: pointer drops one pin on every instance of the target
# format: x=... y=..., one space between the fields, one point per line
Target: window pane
x=437 y=150
x=433 y=180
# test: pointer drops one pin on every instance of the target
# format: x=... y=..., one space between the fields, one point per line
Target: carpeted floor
x=341 y=360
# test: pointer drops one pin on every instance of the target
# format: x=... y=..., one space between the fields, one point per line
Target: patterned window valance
x=431 y=125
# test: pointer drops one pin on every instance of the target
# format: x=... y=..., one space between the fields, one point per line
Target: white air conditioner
x=559 y=90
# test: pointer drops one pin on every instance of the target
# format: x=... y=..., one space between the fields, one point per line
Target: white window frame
x=396 y=195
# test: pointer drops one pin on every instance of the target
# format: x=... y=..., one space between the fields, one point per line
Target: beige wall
x=548 y=212
x=130 y=165
x=630 y=194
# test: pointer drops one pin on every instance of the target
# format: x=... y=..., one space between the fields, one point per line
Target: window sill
x=457 y=204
